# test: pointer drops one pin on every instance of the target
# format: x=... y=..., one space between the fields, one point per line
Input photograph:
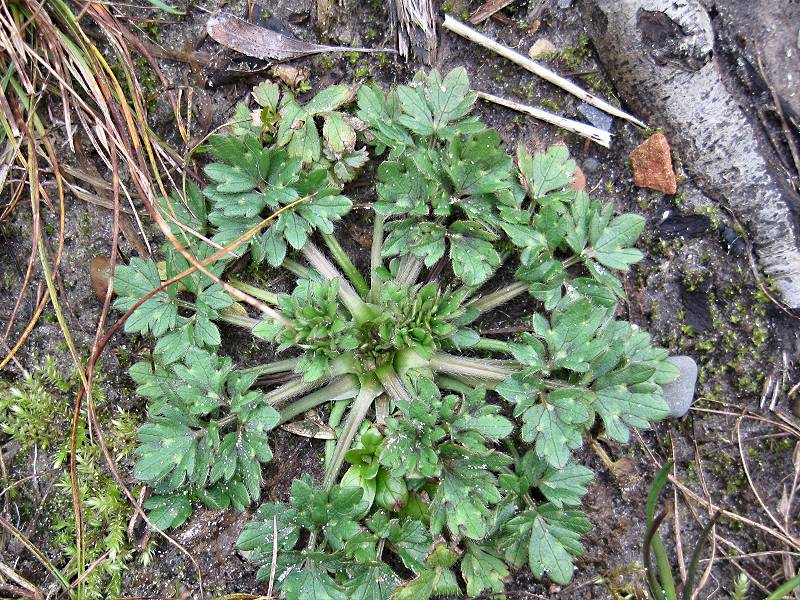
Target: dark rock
x=765 y=27
x=596 y=117
x=677 y=225
x=733 y=240
x=698 y=314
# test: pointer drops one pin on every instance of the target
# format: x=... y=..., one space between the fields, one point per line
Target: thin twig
x=746 y=467
x=599 y=136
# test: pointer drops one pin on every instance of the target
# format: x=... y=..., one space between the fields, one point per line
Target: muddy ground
x=697 y=291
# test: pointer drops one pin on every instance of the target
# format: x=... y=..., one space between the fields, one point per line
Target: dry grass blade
x=45 y=48
x=745 y=465
x=274 y=555
x=38 y=554
x=26 y=588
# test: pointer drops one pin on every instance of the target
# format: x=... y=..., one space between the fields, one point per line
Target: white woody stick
x=467 y=32
x=593 y=133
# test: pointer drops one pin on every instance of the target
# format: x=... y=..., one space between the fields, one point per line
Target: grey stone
x=680 y=393
x=591 y=165
x=564 y=3
x=596 y=117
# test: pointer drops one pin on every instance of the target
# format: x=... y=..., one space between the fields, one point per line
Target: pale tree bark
x=660 y=55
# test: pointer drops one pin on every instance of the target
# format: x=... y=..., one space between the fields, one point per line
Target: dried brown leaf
x=311 y=427
x=487 y=10
x=266 y=44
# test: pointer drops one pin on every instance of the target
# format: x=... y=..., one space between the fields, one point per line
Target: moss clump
x=573 y=57
x=35 y=412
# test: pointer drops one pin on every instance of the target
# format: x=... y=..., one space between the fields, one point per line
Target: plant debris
x=415 y=22
x=266 y=44
x=541 y=47
x=487 y=10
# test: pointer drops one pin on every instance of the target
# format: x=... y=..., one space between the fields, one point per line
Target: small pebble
x=591 y=165
x=679 y=394
x=564 y=3
x=735 y=243
x=540 y=47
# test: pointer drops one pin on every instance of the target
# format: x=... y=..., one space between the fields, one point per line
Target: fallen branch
x=467 y=32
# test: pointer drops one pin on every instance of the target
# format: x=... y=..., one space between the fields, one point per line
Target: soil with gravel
x=697 y=291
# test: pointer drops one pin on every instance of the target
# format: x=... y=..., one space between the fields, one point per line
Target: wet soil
x=697 y=291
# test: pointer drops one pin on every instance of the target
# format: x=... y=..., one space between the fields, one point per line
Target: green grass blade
x=786 y=589
x=650 y=536
x=166 y=7
x=688 y=587
x=658 y=484
x=665 y=577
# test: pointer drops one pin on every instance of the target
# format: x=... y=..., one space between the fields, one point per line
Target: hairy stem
x=406 y=359
x=291 y=389
x=254 y=291
x=499 y=297
x=574 y=260
x=492 y=345
x=392 y=384
x=358 y=308
x=295 y=268
x=381 y=409
x=279 y=366
x=340 y=388
x=454 y=385
x=222 y=425
x=481 y=368
x=242 y=321
x=346 y=265
x=370 y=389
x=337 y=412
x=375 y=259
x=408 y=271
